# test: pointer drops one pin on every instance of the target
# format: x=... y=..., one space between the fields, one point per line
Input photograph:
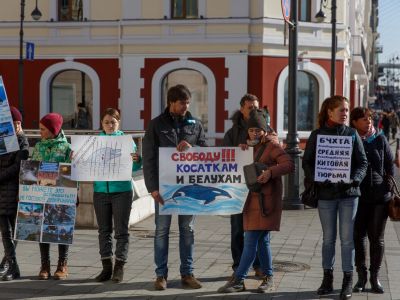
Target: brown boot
x=62 y=270
x=44 y=273
x=189 y=281
x=160 y=284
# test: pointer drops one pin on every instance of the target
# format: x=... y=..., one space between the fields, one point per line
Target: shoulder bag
x=394 y=203
x=253 y=170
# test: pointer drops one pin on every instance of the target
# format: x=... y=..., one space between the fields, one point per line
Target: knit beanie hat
x=15 y=114
x=257 y=120
x=53 y=122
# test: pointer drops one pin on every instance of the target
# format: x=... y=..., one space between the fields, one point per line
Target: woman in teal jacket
x=53 y=147
x=113 y=201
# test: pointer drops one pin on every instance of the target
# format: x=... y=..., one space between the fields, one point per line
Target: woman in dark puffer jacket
x=9 y=175
x=372 y=210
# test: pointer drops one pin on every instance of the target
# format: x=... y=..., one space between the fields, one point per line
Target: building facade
x=94 y=54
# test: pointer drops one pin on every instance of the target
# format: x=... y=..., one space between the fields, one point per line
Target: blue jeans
x=161 y=243
x=237 y=241
x=255 y=240
x=329 y=210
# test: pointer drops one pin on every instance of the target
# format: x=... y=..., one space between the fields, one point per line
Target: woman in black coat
x=372 y=210
x=9 y=182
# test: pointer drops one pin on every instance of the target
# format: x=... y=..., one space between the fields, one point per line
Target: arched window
x=197 y=84
x=71 y=95
x=307 y=102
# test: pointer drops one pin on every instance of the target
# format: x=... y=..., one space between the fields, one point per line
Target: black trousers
x=370 y=224
x=7 y=227
x=117 y=207
x=45 y=252
x=237 y=241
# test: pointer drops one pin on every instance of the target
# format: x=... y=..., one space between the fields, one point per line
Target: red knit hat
x=53 y=122
x=15 y=114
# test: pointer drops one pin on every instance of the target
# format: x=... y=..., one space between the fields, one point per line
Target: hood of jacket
x=237 y=119
x=59 y=139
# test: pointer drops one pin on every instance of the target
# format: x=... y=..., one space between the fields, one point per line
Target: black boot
x=362 y=280
x=347 y=285
x=13 y=270
x=3 y=266
x=118 y=274
x=106 y=273
x=327 y=283
x=376 y=286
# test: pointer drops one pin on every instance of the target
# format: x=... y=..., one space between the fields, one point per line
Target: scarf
x=371 y=133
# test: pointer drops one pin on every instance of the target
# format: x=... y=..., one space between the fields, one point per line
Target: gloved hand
x=326 y=184
x=347 y=185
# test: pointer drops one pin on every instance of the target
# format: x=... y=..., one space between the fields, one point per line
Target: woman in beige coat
x=262 y=211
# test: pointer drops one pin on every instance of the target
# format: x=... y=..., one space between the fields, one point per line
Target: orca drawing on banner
x=199 y=192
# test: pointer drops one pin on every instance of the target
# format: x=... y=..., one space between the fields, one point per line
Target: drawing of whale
x=104 y=154
x=199 y=192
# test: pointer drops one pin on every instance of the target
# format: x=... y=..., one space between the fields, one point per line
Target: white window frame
x=49 y=74
x=324 y=90
x=156 y=89
x=201 y=8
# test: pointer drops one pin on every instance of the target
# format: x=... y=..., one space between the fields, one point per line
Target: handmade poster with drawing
x=101 y=158
x=47 y=203
x=8 y=138
x=203 y=181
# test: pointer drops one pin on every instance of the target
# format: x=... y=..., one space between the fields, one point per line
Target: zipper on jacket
x=108 y=191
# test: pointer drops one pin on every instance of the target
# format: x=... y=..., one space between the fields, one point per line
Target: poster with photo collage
x=47 y=203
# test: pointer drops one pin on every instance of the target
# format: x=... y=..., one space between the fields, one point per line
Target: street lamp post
x=36 y=14
x=292 y=198
x=320 y=16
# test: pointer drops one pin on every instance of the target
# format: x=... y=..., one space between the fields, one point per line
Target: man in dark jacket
x=9 y=182
x=236 y=135
x=174 y=128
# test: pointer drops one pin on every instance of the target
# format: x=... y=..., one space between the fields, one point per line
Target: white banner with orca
x=101 y=158
x=333 y=158
x=203 y=181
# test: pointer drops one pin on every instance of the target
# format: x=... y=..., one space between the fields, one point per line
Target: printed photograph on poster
x=57 y=234
x=48 y=173
x=206 y=180
x=101 y=158
x=6 y=129
x=47 y=208
x=29 y=221
x=58 y=214
x=28 y=172
x=3 y=96
x=65 y=176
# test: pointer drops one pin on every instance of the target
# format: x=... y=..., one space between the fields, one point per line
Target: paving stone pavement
x=299 y=241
